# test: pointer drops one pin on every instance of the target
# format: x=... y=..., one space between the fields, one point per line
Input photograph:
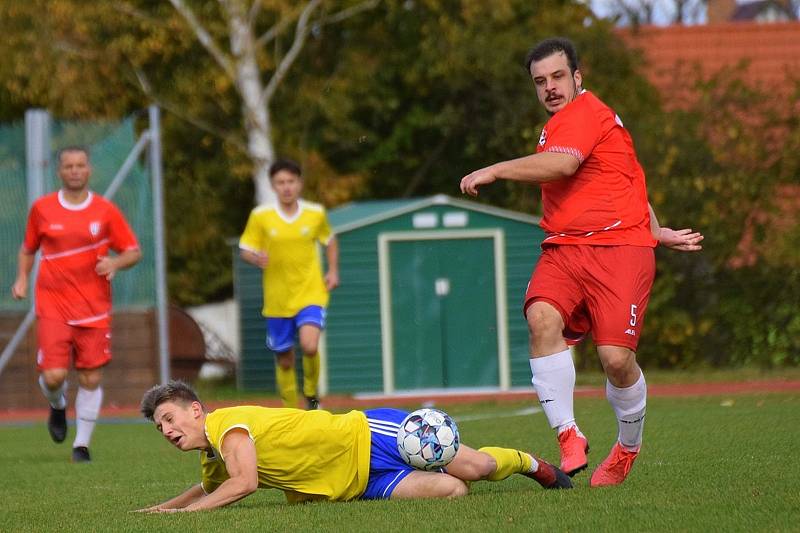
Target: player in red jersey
x=74 y=229
x=597 y=264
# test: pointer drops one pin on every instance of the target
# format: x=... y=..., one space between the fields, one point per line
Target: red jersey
x=605 y=201
x=71 y=239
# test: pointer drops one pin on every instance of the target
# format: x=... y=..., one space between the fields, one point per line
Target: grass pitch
x=709 y=464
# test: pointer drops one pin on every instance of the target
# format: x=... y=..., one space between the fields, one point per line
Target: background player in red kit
x=597 y=264
x=74 y=229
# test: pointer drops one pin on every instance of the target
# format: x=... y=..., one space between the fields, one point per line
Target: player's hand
x=106 y=267
x=331 y=280
x=684 y=240
x=262 y=260
x=19 y=290
x=471 y=182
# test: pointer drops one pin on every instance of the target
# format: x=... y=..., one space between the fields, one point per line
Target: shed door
x=444 y=314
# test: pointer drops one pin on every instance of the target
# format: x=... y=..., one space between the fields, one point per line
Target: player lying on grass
x=314 y=455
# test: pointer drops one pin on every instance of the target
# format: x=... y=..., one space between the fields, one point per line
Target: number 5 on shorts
x=633 y=315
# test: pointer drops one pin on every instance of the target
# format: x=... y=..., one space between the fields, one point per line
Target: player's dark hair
x=284 y=164
x=172 y=391
x=73 y=148
x=552 y=46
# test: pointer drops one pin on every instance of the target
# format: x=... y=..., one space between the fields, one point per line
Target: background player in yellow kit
x=314 y=455
x=282 y=239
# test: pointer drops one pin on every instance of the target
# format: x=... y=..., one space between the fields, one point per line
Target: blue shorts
x=386 y=467
x=281 y=331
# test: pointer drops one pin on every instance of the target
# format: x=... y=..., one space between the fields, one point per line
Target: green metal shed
x=430 y=299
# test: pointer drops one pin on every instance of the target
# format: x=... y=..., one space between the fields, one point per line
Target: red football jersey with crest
x=71 y=238
x=605 y=201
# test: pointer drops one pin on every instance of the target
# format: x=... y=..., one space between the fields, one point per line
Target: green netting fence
x=109 y=144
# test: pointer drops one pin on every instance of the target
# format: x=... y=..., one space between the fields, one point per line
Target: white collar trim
x=286 y=218
x=74 y=207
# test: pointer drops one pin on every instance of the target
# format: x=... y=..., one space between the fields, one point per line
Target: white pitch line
x=519 y=412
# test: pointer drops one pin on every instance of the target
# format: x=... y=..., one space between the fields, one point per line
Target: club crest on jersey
x=543 y=137
x=94 y=228
x=304 y=230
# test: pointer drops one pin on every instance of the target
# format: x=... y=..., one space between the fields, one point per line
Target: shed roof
x=355 y=215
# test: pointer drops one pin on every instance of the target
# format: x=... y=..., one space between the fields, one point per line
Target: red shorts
x=91 y=347
x=602 y=289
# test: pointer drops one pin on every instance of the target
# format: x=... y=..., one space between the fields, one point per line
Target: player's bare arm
x=258 y=259
x=19 y=290
x=239 y=452
x=180 y=501
x=683 y=240
x=534 y=168
x=332 y=254
x=108 y=266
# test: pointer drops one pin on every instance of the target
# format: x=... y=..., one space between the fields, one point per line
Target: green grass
x=709 y=464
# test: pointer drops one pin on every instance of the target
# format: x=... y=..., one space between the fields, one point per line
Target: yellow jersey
x=310 y=455
x=292 y=278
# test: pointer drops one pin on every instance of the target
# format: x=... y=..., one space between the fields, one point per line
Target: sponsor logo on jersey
x=548 y=400
x=273 y=232
x=630 y=332
x=94 y=228
x=543 y=137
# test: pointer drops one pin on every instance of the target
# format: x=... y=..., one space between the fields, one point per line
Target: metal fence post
x=162 y=311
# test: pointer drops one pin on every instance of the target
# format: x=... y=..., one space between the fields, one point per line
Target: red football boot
x=574 y=448
x=615 y=468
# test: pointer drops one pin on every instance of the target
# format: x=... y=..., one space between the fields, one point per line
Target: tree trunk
x=255 y=112
x=258 y=126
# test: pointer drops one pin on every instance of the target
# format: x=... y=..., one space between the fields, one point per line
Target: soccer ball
x=428 y=439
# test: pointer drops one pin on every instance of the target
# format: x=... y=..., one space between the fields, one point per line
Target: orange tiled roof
x=772 y=51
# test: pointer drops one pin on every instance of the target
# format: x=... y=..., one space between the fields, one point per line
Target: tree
x=448 y=92
x=248 y=59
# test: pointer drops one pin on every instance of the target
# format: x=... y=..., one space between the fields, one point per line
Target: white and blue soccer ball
x=428 y=439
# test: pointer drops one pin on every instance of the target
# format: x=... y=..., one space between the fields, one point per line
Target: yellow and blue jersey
x=292 y=278
x=307 y=454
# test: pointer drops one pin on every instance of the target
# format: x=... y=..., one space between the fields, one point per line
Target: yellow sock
x=310 y=374
x=508 y=462
x=287 y=385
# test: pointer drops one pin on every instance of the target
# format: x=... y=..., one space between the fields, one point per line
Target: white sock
x=534 y=464
x=629 y=405
x=554 y=382
x=57 y=397
x=87 y=407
